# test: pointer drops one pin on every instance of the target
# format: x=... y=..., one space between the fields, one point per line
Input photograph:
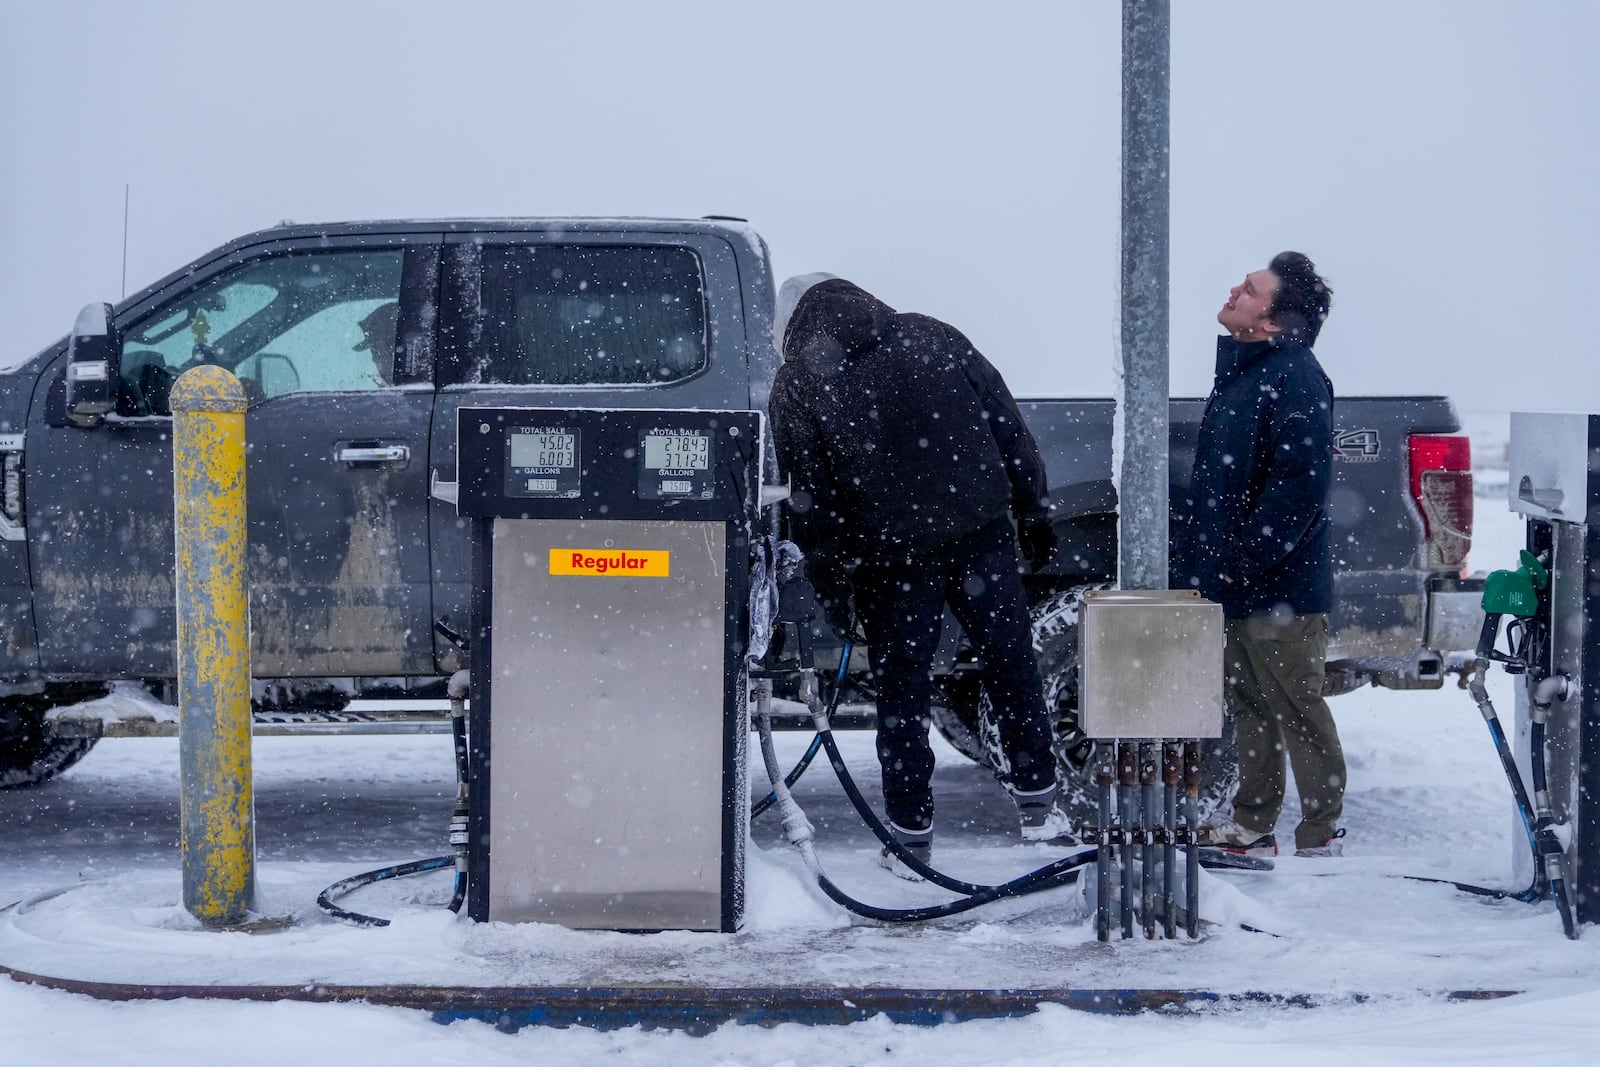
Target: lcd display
x=544 y=448
x=542 y=461
x=685 y=451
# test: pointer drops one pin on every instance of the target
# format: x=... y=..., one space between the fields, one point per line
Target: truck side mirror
x=92 y=355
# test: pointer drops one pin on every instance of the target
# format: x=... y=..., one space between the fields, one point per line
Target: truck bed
x=1381 y=576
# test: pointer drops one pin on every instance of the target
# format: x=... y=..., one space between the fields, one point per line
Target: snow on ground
x=1426 y=797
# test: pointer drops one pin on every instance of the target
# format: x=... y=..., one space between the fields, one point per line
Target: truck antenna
x=124 y=240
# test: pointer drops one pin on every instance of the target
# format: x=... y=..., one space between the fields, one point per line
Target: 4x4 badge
x=1357 y=446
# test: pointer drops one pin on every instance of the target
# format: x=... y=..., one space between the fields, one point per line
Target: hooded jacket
x=1257 y=504
x=896 y=434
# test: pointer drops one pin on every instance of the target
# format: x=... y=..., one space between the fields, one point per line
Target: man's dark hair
x=1303 y=298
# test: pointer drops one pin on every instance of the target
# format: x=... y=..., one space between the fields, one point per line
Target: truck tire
x=29 y=754
x=960 y=711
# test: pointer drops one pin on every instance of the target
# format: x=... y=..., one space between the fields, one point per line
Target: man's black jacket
x=1257 y=504
x=896 y=434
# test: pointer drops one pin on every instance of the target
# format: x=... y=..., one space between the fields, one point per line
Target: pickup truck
x=356 y=343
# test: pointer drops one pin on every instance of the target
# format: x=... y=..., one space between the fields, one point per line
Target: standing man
x=1257 y=542
x=907 y=458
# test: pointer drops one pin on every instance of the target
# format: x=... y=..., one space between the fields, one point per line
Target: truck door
x=645 y=319
x=332 y=340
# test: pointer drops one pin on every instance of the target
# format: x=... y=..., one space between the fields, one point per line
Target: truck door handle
x=369 y=454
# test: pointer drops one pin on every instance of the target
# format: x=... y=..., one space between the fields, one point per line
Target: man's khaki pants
x=1273 y=679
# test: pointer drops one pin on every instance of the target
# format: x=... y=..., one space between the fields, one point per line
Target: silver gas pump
x=1555 y=485
x=608 y=722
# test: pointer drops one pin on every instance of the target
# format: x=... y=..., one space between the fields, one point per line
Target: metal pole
x=216 y=799
x=1142 y=476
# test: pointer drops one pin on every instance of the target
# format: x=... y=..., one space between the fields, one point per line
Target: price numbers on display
x=676 y=464
x=542 y=461
x=536 y=447
x=679 y=451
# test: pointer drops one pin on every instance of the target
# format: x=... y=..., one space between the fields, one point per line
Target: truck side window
x=584 y=314
x=298 y=322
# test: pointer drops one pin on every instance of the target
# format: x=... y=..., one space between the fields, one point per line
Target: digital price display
x=676 y=464
x=542 y=461
x=677 y=451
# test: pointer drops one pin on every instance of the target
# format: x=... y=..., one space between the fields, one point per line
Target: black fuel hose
x=1539 y=831
x=1541 y=837
x=1547 y=850
x=1508 y=762
x=1526 y=896
x=816 y=742
x=1062 y=872
x=458 y=835
x=825 y=739
x=799 y=832
x=458 y=817
x=883 y=833
x=325 y=899
x=760 y=806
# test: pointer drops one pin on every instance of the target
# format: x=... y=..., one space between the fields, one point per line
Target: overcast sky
x=1437 y=158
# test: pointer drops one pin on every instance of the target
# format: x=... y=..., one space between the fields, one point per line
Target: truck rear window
x=583 y=314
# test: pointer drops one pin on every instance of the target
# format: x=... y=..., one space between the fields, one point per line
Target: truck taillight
x=1441 y=484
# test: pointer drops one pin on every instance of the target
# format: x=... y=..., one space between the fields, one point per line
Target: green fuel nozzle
x=1514 y=593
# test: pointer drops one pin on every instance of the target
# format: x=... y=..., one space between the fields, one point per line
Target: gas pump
x=608 y=721
x=1555 y=486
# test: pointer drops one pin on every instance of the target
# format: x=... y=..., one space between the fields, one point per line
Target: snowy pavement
x=1425 y=799
x=1378 y=951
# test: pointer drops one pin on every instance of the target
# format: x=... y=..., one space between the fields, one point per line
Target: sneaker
x=1056 y=828
x=1040 y=818
x=1229 y=836
x=918 y=842
x=1330 y=847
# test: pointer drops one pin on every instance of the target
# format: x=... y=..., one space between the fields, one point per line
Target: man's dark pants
x=1273 y=677
x=901 y=604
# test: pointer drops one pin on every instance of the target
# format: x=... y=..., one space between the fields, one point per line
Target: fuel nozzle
x=1514 y=593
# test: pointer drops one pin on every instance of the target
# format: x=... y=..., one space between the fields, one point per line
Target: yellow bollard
x=217 y=798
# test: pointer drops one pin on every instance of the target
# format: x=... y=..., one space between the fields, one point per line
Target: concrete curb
x=699 y=1010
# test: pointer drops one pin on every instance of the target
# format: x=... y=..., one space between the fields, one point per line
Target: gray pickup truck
x=357 y=343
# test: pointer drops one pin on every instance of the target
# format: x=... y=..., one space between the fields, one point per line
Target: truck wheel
x=29 y=755
x=960 y=711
